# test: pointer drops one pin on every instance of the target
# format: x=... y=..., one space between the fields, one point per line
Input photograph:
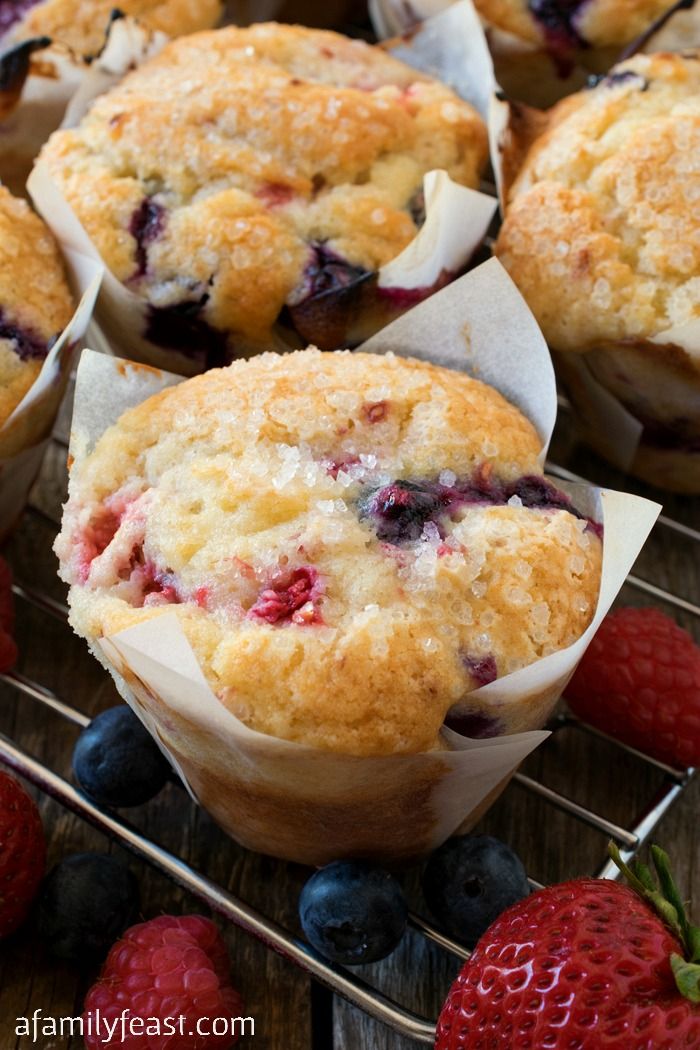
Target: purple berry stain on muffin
x=26 y=343
x=12 y=12
x=482 y=668
x=146 y=224
x=327 y=272
x=400 y=510
x=290 y=597
x=557 y=20
x=181 y=328
x=625 y=76
x=475 y=725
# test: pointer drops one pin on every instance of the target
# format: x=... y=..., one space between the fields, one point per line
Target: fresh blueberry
x=353 y=913
x=85 y=904
x=117 y=762
x=469 y=881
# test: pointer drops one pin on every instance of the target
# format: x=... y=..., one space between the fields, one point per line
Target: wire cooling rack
x=339 y=980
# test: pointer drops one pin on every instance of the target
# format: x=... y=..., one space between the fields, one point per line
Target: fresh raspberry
x=639 y=681
x=22 y=853
x=8 y=648
x=170 y=967
x=584 y=965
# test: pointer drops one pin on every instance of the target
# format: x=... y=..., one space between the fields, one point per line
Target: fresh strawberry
x=8 y=648
x=22 y=853
x=174 y=968
x=639 y=681
x=584 y=965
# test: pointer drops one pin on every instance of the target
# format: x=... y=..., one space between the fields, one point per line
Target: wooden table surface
x=291 y=1013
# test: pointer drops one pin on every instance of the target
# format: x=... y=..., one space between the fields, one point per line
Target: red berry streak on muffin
x=352 y=544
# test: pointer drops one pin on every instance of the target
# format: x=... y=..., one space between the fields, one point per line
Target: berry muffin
x=352 y=544
x=251 y=182
x=35 y=301
x=571 y=25
x=602 y=237
x=81 y=24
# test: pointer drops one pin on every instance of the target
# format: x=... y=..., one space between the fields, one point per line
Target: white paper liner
x=618 y=430
x=128 y=44
x=24 y=433
x=456 y=221
x=300 y=802
x=449 y=45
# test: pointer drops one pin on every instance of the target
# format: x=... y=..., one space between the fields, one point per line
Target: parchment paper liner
x=24 y=435
x=457 y=219
x=299 y=802
x=40 y=90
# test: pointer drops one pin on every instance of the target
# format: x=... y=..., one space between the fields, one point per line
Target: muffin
x=36 y=303
x=352 y=545
x=81 y=24
x=602 y=237
x=247 y=185
x=566 y=27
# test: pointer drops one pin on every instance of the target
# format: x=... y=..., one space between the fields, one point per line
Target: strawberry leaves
x=663 y=896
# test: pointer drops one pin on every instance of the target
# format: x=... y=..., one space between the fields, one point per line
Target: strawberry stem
x=666 y=901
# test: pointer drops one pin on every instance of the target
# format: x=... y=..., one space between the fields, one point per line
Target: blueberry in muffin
x=352 y=544
x=35 y=301
x=252 y=182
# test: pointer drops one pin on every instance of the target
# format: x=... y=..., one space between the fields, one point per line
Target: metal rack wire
x=340 y=981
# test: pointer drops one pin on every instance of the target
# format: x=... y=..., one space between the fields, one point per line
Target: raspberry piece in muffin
x=345 y=577
x=35 y=301
x=256 y=180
